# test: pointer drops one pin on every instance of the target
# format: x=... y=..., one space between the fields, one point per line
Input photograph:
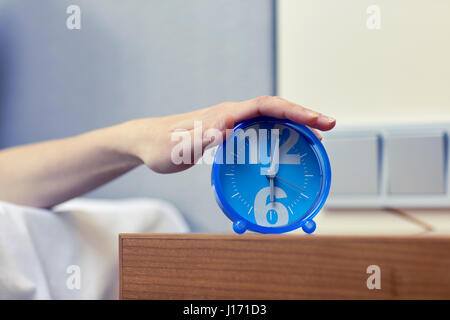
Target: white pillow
x=42 y=250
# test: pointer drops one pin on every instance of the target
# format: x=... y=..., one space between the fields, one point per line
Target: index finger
x=280 y=108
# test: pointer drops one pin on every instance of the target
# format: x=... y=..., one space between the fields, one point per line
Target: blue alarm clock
x=271 y=176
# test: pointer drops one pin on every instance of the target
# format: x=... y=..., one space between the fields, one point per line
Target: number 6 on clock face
x=270 y=214
x=271 y=176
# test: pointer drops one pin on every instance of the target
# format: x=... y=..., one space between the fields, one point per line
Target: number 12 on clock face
x=271 y=176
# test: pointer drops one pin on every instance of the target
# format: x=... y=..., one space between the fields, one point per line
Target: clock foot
x=309 y=226
x=239 y=226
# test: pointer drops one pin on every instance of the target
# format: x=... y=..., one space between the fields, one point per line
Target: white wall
x=131 y=59
x=329 y=60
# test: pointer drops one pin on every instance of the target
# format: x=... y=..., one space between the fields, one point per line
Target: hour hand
x=272 y=189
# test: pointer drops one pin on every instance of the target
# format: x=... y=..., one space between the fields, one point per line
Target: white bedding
x=38 y=247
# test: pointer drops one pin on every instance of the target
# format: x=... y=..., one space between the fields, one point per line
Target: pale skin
x=48 y=173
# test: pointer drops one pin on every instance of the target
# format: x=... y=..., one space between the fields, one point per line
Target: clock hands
x=273 y=169
x=289 y=183
x=272 y=189
x=271 y=172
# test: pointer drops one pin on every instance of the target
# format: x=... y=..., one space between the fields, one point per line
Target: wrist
x=122 y=140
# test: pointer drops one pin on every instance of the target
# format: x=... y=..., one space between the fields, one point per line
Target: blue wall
x=132 y=59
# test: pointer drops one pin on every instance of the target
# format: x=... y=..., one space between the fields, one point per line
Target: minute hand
x=273 y=169
x=289 y=183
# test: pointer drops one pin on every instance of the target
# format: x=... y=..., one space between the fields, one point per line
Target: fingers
x=283 y=109
x=316 y=133
x=216 y=130
x=225 y=122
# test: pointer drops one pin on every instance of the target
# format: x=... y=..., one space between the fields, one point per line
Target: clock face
x=271 y=176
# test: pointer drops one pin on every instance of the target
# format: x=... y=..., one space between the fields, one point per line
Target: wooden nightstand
x=194 y=266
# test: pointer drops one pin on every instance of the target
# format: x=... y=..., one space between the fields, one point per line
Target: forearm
x=45 y=174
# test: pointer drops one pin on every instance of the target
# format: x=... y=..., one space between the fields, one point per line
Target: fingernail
x=330 y=119
x=313 y=114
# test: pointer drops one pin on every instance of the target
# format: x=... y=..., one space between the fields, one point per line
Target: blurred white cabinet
x=415 y=164
x=395 y=166
x=354 y=164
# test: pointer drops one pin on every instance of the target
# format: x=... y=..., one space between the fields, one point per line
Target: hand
x=150 y=139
